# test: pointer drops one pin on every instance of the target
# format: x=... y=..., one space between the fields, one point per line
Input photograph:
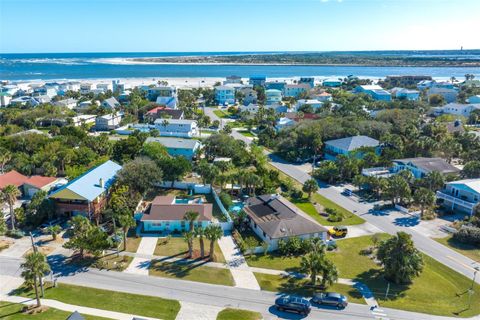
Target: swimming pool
x=236 y=207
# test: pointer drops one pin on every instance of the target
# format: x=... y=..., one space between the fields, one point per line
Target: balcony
x=457 y=201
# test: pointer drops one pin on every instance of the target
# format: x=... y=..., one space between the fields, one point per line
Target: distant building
x=420 y=166
x=176 y=128
x=450 y=95
x=225 y=95
x=333 y=83
x=85 y=88
x=283 y=123
x=274 y=218
x=307 y=80
x=118 y=86
x=5 y=99
x=456 y=109
x=273 y=96
x=166 y=214
x=110 y=103
x=69 y=103
x=83 y=119
x=346 y=146
x=86 y=195
x=45 y=91
x=163 y=112
x=104 y=87
x=233 y=79
x=108 y=122
x=294 y=90
x=178 y=147
x=251 y=108
x=24 y=100
x=249 y=95
x=321 y=96
x=375 y=91
x=257 y=80
x=275 y=85
x=315 y=104
x=407 y=94
x=407 y=80
x=460 y=196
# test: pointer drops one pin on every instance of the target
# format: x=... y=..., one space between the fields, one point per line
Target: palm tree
x=9 y=195
x=5 y=157
x=34 y=268
x=200 y=233
x=127 y=222
x=310 y=186
x=329 y=273
x=312 y=264
x=188 y=237
x=191 y=216
x=213 y=233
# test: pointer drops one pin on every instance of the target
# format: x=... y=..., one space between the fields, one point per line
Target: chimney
x=101 y=183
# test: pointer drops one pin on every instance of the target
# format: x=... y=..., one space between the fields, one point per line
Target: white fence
x=226 y=226
x=220 y=205
x=195 y=187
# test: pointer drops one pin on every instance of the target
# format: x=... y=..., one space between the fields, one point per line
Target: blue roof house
x=375 y=91
x=87 y=194
x=257 y=80
x=347 y=146
x=177 y=147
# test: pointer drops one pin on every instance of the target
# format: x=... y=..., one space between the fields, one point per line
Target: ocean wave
x=64 y=61
x=121 y=61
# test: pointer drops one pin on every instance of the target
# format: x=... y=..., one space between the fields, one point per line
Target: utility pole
x=474 y=276
x=388 y=289
x=34 y=247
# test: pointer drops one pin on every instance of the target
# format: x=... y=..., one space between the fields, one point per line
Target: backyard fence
x=195 y=187
x=220 y=205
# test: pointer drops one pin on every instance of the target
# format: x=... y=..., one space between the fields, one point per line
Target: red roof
x=40 y=181
x=156 y=109
x=12 y=177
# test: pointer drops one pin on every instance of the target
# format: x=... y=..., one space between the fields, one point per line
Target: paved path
x=72 y=308
x=194 y=311
x=360 y=230
x=243 y=276
x=140 y=265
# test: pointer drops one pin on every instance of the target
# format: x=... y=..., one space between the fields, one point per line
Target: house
x=233 y=80
x=12 y=178
x=421 y=166
x=45 y=91
x=163 y=112
x=406 y=94
x=224 y=95
x=273 y=96
x=307 y=80
x=251 y=108
x=275 y=85
x=406 y=80
x=41 y=183
x=322 y=96
x=104 y=87
x=249 y=95
x=176 y=127
x=425 y=84
x=471 y=83
x=332 y=83
x=449 y=94
x=83 y=105
x=85 y=88
x=457 y=109
x=165 y=96
x=166 y=213
x=277 y=107
x=69 y=103
x=375 y=91
x=283 y=123
x=108 y=121
x=87 y=194
x=5 y=99
x=346 y=146
x=274 y=218
x=10 y=89
x=460 y=196
x=83 y=119
x=474 y=99
x=43 y=99
x=177 y=147
x=294 y=90
x=24 y=100
x=315 y=104
x=257 y=80
x=110 y=103
x=118 y=86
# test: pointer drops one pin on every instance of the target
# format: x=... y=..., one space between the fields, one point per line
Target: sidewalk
x=72 y=308
x=241 y=272
x=146 y=248
x=194 y=311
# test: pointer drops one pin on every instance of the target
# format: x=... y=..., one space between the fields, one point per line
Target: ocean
x=117 y=65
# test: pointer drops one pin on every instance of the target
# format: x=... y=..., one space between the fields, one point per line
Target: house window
x=182 y=225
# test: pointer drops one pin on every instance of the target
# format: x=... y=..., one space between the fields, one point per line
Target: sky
x=38 y=26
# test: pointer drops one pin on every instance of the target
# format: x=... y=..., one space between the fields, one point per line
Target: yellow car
x=338 y=232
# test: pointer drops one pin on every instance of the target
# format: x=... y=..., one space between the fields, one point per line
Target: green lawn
x=187 y=271
x=217 y=213
x=468 y=250
x=113 y=262
x=291 y=285
x=307 y=206
x=177 y=247
x=132 y=243
x=238 y=314
x=246 y=133
x=221 y=114
x=13 y=311
x=347 y=258
x=110 y=300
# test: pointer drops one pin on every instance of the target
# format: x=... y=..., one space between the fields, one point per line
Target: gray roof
x=279 y=218
x=175 y=142
x=353 y=143
x=75 y=316
x=111 y=102
x=429 y=164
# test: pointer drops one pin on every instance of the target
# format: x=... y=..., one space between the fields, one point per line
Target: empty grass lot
x=238 y=314
x=109 y=300
x=468 y=250
x=13 y=311
x=189 y=271
x=178 y=248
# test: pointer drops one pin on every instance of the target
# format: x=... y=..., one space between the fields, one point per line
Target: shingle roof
x=430 y=164
x=111 y=102
x=163 y=208
x=353 y=143
x=278 y=217
x=175 y=142
x=161 y=111
x=88 y=185
x=12 y=178
x=40 y=181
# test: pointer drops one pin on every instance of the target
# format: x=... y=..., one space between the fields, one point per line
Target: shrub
x=334 y=215
x=296 y=194
x=16 y=234
x=332 y=246
x=225 y=199
x=468 y=234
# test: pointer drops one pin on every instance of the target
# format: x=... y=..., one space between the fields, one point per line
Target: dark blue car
x=293 y=304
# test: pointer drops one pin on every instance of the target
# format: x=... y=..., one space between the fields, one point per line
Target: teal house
x=178 y=147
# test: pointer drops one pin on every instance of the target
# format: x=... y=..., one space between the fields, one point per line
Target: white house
x=83 y=119
x=283 y=123
x=104 y=87
x=45 y=91
x=5 y=99
x=110 y=103
x=251 y=108
x=176 y=127
x=108 y=122
x=273 y=96
x=457 y=109
x=69 y=103
x=460 y=196
x=85 y=88
x=314 y=103
x=24 y=100
x=274 y=218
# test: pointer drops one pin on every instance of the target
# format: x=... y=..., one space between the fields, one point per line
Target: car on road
x=331 y=299
x=338 y=231
x=293 y=304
